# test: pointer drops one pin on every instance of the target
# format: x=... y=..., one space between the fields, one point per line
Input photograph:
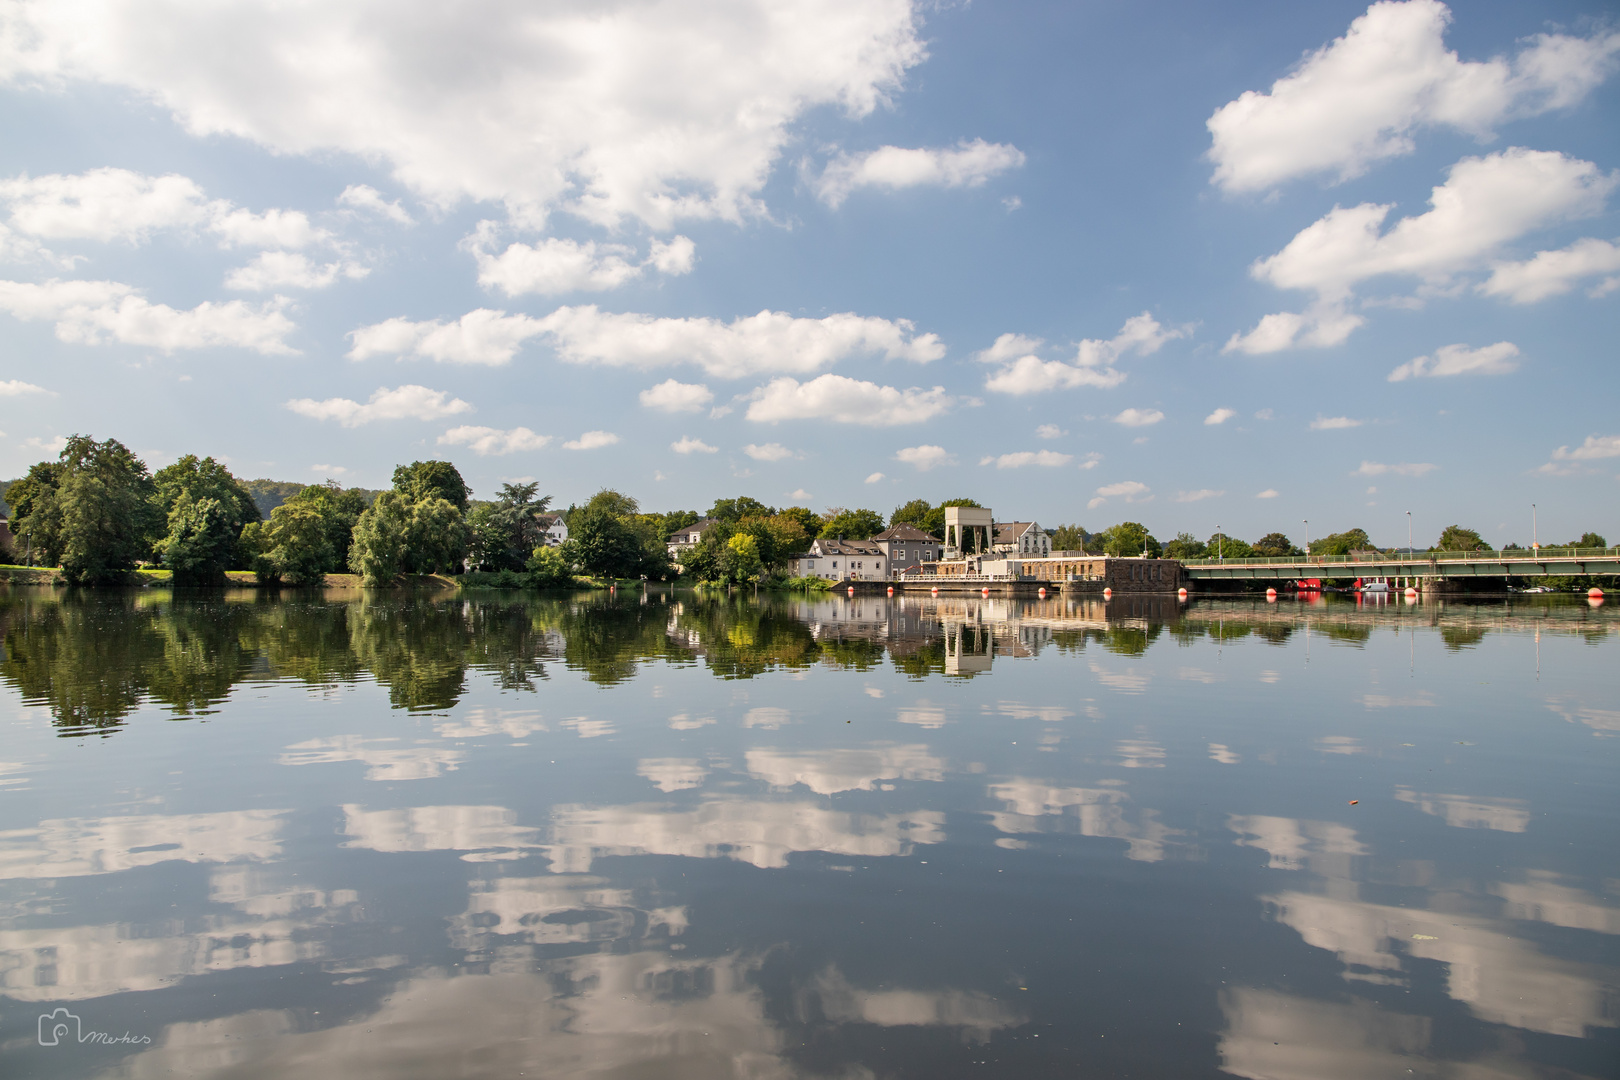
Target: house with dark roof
x=684 y=540
x=907 y=548
x=842 y=560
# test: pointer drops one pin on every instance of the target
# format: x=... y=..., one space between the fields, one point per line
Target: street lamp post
x=1307 y=538
x=1220 y=544
x=1534 y=541
x=1409 y=532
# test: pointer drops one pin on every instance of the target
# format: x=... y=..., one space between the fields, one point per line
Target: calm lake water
x=686 y=836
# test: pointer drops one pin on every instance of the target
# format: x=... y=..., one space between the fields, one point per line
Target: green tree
x=613 y=502
x=1590 y=540
x=734 y=510
x=382 y=539
x=1275 y=546
x=913 y=513
x=1222 y=546
x=338 y=509
x=807 y=521
x=1129 y=538
x=205 y=509
x=1340 y=544
x=676 y=520
x=1457 y=538
x=548 y=568
x=503 y=534
x=109 y=514
x=296 y=543
x=743 y=562
x=603 y=543
x=432 y=480
x=435 y=537
x=854 y=525
x=1185 y=546
x=36 y=513
x=1070 y=538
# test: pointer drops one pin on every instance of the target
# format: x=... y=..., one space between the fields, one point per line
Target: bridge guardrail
x=1416 y=558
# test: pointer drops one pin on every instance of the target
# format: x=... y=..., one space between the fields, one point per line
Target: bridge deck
x=1440 y=564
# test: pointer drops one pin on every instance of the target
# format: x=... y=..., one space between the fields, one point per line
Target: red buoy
x=891 y=590
x=1594 y=593
x=1181 y=594
x=1042 y=593
x=1107 y=593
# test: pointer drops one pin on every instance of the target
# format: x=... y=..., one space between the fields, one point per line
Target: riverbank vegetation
x=96 y=515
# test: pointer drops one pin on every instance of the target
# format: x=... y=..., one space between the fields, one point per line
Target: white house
x=556 y=530
x=841 y=560
x=1022 y=538
x=686 y=539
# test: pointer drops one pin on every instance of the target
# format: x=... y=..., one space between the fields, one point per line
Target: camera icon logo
x=58 y=1025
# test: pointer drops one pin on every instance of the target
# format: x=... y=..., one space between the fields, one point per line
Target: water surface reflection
x=685 y=835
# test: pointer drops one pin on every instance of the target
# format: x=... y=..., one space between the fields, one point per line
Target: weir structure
x=1416 y=567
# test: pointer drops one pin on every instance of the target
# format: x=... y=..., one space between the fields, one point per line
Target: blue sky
x=1188 y=264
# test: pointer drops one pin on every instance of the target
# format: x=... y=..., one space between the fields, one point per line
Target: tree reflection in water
x=92 y=658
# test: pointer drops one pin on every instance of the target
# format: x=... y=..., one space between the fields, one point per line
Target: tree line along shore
x=97 y=516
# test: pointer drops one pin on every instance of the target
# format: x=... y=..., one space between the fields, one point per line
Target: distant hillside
x=269 y=494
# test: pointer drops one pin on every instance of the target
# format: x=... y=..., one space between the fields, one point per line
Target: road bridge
x=1430 y=565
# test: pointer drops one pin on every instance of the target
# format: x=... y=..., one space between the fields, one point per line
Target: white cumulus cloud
x=846 y=401
x=1334 y=423
x=1486 y=202
x=1448 y=360
x=1373 y=468
x=688 y=445
x=925 y=457
x=591 y=440
x=409 y=402
x=1129 y=490
x=1219 y=416
x=1552 y=273
x=1360 y=99
x=557 y=265
x=967 y=164
x=17 y=388
x=1020 y=458
x=768 y=452
x=290 y=269
x=770 y=341
x=1138 y=417
x=874 y=478
x=1023 y=372
x=367 y=198
x=109 y=204
x=1269 y=493
x=677 y=397
x=657 y=110
x=1198 y=496
x=482 y=336
x=493 y=442
x=96 y=312
x=1049 y=431
x=1594 y=448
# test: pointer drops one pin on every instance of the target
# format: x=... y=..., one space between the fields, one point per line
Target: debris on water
x=1354 y=801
